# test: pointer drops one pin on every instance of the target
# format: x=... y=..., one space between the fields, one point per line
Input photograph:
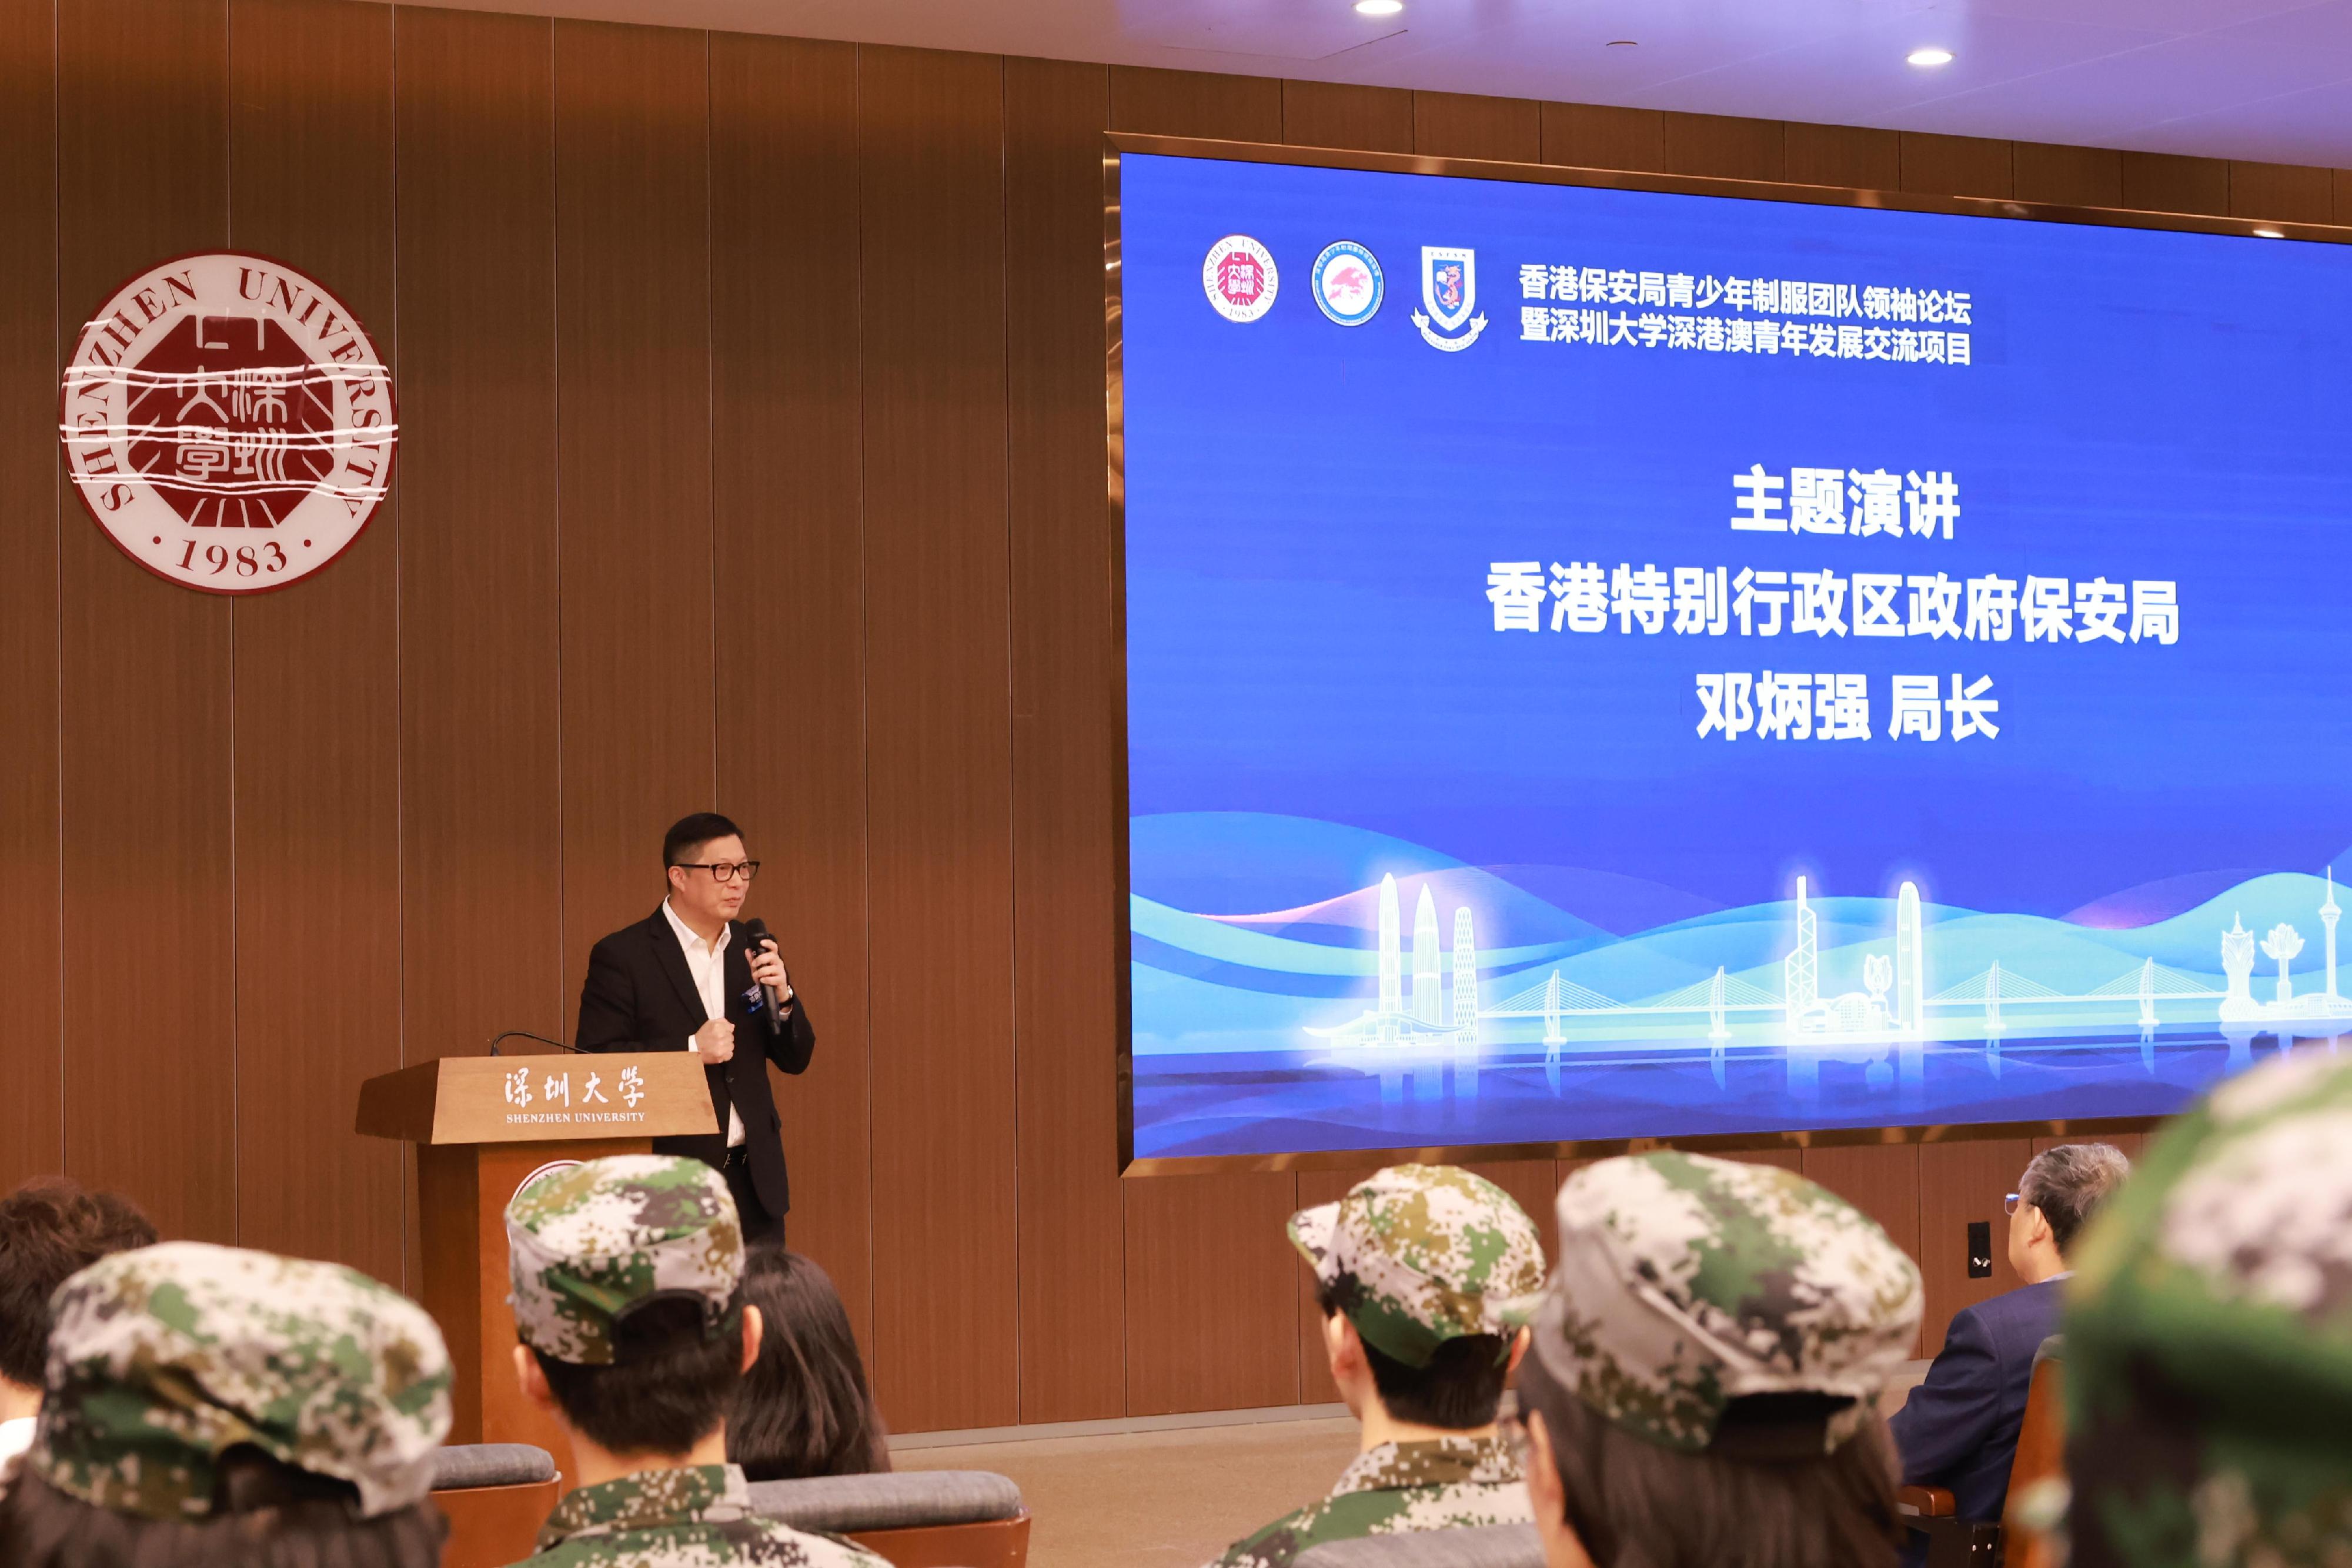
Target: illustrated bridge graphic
x=1556 y=997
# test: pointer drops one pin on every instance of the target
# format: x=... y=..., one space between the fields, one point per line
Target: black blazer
x=640 y=996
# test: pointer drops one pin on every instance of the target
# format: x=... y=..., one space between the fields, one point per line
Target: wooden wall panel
x=481 y=841
x=2133 y=1145
x=1533 y=1185
x=2341 y=181
x=1787 y=1158
x=939 y=800
x=1212 y=1293
x=1332 y=114
x=786 y=491
x=2281 y=191
x=2069 y=177
x=1960 y=1182
x=480 y=838
x=633 y=464
x=1195 y=103
x=1956 y=165
x=1068 y=764
x=1316 y=1187
x=316 y=772
x=32 y=1127
x=1724 y=146
x=1177 y=1229
x=1591 y=136
x=1848 y=155
x=1882 y=1181
x=2165 y=183
x=1462 y=125
x=150 y=959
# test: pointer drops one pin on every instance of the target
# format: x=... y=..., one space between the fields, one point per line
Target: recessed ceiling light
x=1379 y=8
x=2269 y=234
x=1929 y=57
x=1625 y=43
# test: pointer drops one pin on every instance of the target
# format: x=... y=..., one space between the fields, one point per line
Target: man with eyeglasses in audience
x=688 y=977
x=1959 y=1428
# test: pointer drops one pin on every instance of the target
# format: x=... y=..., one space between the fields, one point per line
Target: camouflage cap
x=1418 y=1255
x=163 y=1358
x=1686 y=1282
x=587 y=1243
x=2209 y=1334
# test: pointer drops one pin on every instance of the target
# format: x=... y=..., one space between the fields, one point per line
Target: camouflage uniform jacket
x=697 y=1518
x=1439 y=1483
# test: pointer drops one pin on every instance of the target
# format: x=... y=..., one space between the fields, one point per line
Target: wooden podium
x=484 y=1125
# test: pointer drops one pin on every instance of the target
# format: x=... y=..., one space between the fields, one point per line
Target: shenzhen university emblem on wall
x=228 y=423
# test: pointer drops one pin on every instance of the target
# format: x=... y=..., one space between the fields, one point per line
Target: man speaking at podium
x=690 y=978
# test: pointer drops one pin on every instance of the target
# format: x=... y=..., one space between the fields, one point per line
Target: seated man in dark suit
x=1960 y=1429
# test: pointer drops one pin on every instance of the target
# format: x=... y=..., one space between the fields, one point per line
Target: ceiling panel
x=2266 y=79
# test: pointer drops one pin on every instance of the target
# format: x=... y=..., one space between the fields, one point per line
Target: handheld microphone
x=755 y=932
x=526 y=1034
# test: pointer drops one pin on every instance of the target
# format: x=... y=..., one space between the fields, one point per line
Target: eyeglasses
x=2009 y=1204
x=724 y=870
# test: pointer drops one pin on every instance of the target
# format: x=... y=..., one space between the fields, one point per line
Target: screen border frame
x=1118 y=144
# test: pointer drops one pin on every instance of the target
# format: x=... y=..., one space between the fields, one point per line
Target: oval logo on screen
x=1240 y=278
x=228 y=423
x=1347 y=283
x=550 y=1168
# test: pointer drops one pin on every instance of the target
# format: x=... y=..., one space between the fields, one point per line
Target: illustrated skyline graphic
x=1881 y=1008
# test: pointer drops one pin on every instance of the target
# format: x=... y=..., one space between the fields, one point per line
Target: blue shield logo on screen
x=1347 y=283
x=1449 y=298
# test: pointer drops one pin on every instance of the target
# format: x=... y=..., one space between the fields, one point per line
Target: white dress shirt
x=15 y=1437
x=708 y=965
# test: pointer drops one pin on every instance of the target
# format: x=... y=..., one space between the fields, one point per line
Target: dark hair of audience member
x=2069 y=1184
x=667 y=1387
x=1458 y=1391
x=266 y=1515
x=1636 y=1504
x=804 y=1409
x=50 y=1229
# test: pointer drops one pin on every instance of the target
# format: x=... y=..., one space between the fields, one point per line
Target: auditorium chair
x=495 y=1496
x=1955 y=1543
x=914 y=1518
x=1485 y=1546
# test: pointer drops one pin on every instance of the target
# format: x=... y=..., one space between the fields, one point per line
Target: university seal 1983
x=228 y=423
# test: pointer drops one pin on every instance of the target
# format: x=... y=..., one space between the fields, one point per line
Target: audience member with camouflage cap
x=627 y=1279
x=1426 y=1275
x=207 y=1404
x=587 y=1242
x=2209 y=1336
x=1706 y=1363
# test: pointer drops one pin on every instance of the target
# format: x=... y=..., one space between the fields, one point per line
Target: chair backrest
x=490 y=1465
x=913 y=1519
x=894 y=1499
x=2040 y=1451
x=1482 y=1546
x=495 y=1495
x=984 y=1544
x=2042 y=1437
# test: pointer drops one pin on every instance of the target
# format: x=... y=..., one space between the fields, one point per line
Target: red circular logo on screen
x=1240 y=278
x=228 y=423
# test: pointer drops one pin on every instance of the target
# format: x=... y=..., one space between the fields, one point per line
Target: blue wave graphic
x=1267 y=1017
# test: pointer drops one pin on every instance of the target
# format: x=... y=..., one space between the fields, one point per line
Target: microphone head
x=756 y=929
